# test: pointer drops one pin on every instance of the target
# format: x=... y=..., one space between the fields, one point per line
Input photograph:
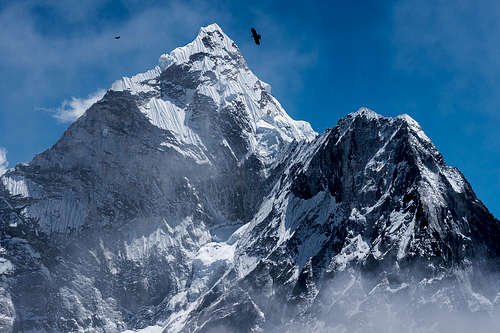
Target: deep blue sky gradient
x=438 y=61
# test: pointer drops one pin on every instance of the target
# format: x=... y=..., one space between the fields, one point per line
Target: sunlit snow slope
x=187 y=200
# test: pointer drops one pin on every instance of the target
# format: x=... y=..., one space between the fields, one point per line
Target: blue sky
x=438 y=61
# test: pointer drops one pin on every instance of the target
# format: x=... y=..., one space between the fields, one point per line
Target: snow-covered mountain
x=187 y=200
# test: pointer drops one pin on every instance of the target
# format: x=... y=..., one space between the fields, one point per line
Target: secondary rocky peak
x=365 y=113
x=368 y=114
x=365 y=120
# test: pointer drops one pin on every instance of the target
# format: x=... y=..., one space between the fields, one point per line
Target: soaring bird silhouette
x=117 y=37
x=256 y=36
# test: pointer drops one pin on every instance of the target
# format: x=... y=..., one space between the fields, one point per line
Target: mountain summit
x=212 y=67
x=187 y=200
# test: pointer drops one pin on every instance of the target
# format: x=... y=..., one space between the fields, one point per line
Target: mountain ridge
x=187 y=199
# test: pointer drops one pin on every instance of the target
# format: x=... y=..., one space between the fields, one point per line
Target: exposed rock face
x=366 y=213
x=187 y=198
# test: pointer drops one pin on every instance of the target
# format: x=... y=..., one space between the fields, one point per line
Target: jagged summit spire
x=369 y=114
x=211 y=27
x=365 y=112
x=211 y=68
x=210 y=40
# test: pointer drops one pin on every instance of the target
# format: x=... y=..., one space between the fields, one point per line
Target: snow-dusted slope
x=187 y=200
x=117 y=224
x=212 y=67
x=205 y=105
x=365 y=222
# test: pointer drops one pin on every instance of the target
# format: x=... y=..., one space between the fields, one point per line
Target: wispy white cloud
x=3 y=160
x=70 y=110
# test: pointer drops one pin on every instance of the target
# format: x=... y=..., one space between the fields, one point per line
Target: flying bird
x=117 y=37
x=256 y=36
